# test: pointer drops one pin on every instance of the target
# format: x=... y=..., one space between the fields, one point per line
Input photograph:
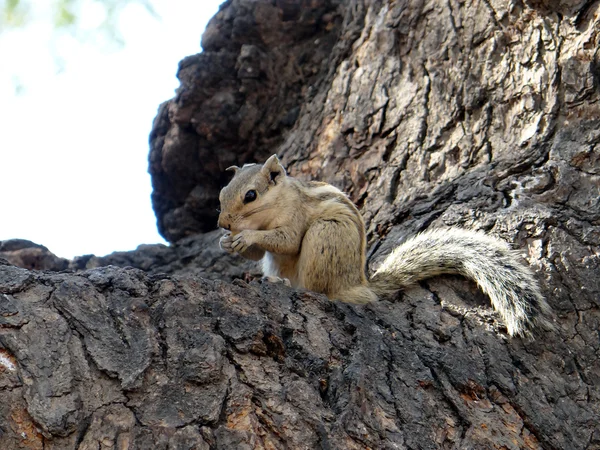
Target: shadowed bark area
x=475 y=114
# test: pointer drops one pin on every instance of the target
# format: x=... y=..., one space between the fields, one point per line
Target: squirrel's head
x=248 y=200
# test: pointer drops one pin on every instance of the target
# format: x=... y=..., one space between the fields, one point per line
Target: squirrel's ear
x=273 y=170
x=232 y=169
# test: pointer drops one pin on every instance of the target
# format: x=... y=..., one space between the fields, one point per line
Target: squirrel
x=311 y=234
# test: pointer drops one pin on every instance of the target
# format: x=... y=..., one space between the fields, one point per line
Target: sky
x=75 y=115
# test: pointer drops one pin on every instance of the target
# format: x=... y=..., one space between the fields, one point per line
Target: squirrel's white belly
x=281 y=266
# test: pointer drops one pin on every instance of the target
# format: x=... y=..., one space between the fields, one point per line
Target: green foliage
x=64 y=16
x=17 y=14
x=13 y=14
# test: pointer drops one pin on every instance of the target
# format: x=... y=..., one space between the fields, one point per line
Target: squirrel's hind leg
x=331 y=261
x=273 y=279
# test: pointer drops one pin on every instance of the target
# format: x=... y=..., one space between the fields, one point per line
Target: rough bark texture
x=476 y=114
x=197 y=256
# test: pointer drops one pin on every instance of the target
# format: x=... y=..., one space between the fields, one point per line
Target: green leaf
x=14 y=14
x=64 y=16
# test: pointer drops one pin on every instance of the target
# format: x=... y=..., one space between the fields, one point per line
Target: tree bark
x=475 y=114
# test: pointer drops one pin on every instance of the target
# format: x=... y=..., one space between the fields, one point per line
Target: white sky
x=74 y=144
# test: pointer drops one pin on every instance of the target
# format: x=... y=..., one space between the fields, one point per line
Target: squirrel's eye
x=250 y=196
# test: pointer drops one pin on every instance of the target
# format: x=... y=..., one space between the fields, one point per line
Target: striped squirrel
x=313 y=235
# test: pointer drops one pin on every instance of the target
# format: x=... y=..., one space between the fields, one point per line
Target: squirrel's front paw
x=241 y=241
x=225 y=243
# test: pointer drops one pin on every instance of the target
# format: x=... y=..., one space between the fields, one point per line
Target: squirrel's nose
x=223 y=223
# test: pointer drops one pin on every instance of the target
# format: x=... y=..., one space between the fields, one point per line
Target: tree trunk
x=475 y=114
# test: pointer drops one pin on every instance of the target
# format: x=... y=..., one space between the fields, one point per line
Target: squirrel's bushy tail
x=491 y=263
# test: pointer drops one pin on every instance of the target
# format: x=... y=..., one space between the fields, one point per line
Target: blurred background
x=80 y=83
